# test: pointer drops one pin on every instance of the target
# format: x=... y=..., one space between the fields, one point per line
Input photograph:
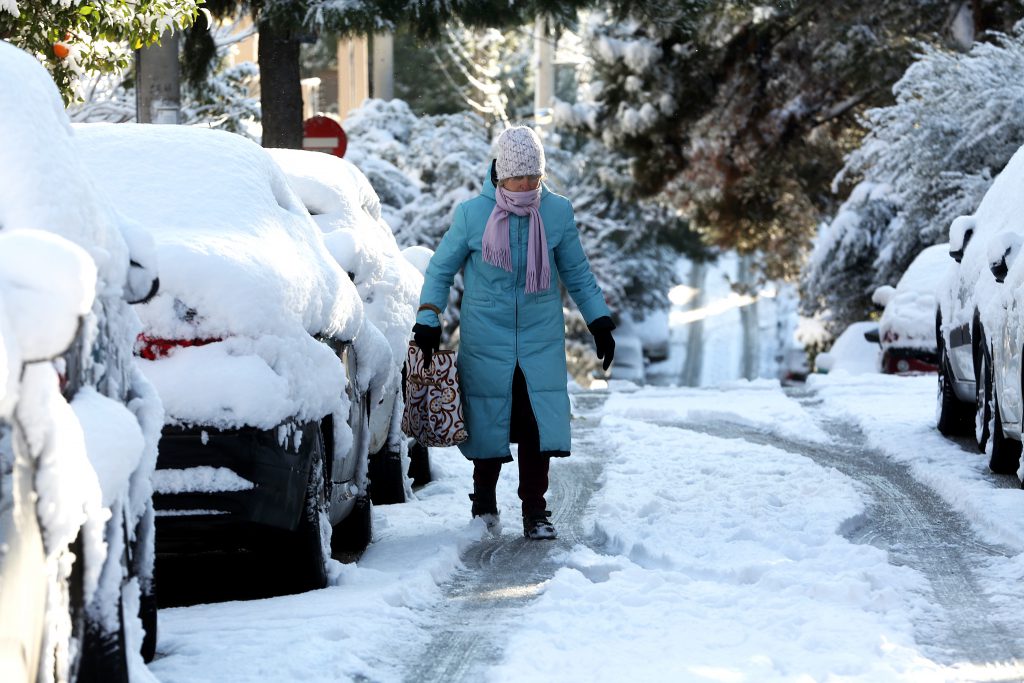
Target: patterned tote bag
x=433 y=406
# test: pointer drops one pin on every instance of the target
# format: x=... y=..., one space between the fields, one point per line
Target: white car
x=348 y=211
x=78 y=423
x=906 y=329
x=966 y=313
x=853 y=351
x=256 y=345
x=1003 y=321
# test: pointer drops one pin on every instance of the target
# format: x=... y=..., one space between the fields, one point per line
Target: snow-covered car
x=855 y=351
x=629 y=359
x=968 y=310
x=1004 y=322
x=256 y=345
x=348 y=211
x=78 y=424
x=907 y=327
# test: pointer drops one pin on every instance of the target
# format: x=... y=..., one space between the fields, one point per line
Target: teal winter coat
x=501 y=325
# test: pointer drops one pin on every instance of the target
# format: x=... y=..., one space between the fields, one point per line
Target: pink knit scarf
x=496 y=247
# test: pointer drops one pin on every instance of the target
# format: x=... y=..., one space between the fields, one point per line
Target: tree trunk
x=280 y=87
x=693 y=365
x=751 y=358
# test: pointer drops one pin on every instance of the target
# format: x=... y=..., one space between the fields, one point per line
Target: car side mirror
x=961 y=230
x=1002 y=252
x=138 y=279
x=883 y=295
x=872 y=336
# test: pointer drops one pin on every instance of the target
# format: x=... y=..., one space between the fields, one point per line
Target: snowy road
x=737 y=534
x=917 y=528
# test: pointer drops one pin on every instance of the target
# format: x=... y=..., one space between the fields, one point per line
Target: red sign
x=324 y=134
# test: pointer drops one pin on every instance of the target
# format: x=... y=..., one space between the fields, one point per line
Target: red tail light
x=152 y=348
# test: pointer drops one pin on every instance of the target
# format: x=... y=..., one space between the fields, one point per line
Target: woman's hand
x=602 y=328
x=428 y=338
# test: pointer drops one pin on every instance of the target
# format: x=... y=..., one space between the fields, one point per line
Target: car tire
x=142 y=569
x=387 y=480
x=419 y=464
x=147 y=614
x=954 y=418
x=304 y=561
x=104 y=654
x=982 y=398
x=354 y=533
x=1005 y=458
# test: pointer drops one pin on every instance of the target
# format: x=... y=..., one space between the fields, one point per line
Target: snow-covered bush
x=421 y=167
x=927 y=159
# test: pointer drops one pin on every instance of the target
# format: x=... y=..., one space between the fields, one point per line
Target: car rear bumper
x=227 y=480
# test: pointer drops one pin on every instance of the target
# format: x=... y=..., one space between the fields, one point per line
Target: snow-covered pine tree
x=740 y=111
x=927 y=159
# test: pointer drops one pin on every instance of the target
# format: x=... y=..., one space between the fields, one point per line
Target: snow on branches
x=926 y=159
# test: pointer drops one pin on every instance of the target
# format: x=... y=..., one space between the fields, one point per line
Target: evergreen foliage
x=75 y=39
x=739 y=113
x=422 y=167
x=926 y=159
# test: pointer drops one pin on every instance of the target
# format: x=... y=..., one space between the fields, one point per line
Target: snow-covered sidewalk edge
x=897 y=416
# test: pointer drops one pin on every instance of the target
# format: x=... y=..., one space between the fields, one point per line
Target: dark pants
x=533 y=465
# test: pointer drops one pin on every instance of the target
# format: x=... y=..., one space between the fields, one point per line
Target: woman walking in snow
x=512 y=338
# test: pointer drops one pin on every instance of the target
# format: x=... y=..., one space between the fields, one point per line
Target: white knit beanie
x=519 y=153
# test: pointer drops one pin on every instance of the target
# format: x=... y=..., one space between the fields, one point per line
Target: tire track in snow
x=503 y=575
x=915 y=526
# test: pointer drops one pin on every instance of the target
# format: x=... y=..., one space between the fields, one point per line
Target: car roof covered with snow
x=239 y=254
x=925 y=272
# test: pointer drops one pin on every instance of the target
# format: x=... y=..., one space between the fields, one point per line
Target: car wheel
x=147 y=614
x=982 y=399
x=304 y=563
x=419 y=464
x=142 y=558
x=954 y=416
x=1005 y=457
x=387 y=481
x=104 y=652
x=353 y=534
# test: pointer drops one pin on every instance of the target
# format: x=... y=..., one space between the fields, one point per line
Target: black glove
x=428 y=338
x=602 y=328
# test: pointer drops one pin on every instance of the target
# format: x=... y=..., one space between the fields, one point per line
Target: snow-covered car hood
x=239 y=254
